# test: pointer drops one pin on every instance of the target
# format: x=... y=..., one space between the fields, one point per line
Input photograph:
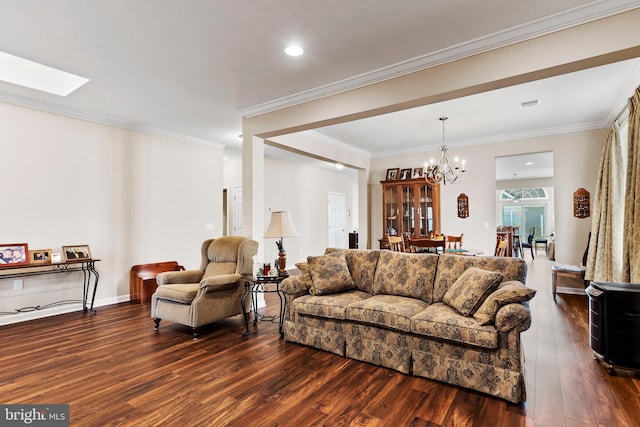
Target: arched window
x=523 y=194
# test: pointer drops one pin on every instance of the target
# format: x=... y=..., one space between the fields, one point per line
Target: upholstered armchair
x=198 y=297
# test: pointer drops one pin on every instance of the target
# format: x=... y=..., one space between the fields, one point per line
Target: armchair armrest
x=176 y=277
x=220 y=283
x=514 y=315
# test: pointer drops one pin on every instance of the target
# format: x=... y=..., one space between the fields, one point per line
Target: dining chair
x=454 y=242
x=501 y=246
x=396 y=243
x=529 y=243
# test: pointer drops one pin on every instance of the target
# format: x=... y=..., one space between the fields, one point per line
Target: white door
x=337 y=221
x=237 y=211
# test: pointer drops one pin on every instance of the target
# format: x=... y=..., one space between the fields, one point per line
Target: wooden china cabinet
x=410 y=208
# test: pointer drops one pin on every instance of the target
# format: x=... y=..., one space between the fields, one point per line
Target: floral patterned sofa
x=451 y=318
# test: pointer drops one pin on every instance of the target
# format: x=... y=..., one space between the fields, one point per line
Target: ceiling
x=524 y=166
x=190 y=70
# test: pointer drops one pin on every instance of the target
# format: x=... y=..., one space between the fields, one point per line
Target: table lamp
x=281 y=226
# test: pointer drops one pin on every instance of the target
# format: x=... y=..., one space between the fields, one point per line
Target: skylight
x=23 y=72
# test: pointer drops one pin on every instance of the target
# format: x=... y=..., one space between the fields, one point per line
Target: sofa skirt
x=379 y=346
x=490 y=379
x=325 y=334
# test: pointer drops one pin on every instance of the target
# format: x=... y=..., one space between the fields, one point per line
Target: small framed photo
x=56 y=257
x=40 y=256
x=14 y=254
x=418 y=172
x=76 y=252
x=405 y=173
x=392 y=174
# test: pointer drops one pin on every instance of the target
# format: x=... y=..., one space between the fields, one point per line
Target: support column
x=253 y=189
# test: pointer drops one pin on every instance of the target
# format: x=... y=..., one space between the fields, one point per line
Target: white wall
x=133 y=198
x=576 y=162
x=301 y=190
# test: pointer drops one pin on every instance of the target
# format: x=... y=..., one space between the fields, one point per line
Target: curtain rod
x=625 y=111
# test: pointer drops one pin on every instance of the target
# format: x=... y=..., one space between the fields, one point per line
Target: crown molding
x=103 y=120
x=580 y=15
x=620 y=105
x=538 y=133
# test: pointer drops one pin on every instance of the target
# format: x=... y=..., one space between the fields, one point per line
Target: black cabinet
x=353 y=240
x=614 y=323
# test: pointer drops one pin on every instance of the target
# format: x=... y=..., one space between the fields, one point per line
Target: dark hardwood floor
x=114 y=370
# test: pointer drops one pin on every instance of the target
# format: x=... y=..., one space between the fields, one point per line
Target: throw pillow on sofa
x=507 y=293
x=470 y=290
x=329 y=274
x=305 y=276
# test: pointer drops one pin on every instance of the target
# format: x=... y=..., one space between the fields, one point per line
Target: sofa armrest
x=177 y=277
x=220 y=283
x=294 y=285
x=515 y=315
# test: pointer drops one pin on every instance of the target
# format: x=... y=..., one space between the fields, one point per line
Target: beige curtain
x=604 y=263
x=631 y=248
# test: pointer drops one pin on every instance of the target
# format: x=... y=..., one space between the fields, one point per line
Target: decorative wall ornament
x=581 y=203
x=463 y=206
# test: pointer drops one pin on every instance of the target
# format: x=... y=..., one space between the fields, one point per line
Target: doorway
x=337 y=221
x=524 y=193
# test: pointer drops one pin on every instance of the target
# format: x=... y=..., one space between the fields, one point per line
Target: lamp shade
x=281 y=226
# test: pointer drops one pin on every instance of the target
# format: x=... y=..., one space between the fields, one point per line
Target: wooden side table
x=142 y=279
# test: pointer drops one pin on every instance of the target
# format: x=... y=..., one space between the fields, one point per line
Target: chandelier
x=444 y=171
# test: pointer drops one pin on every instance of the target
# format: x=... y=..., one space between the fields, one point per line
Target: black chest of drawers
x=614 y=323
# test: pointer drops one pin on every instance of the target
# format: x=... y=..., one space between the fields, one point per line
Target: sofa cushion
x=305 y=276
x=332 y=306
x=391 y=311
x=362 y=265
x=507 y=293
x=182 y=293
x=329 y=274
x=473 y=286
x=404 y=274
x=443 y=322
x=450 y=267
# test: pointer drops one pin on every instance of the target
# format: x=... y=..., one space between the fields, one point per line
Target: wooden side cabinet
x=142 y=279
x=410 y=208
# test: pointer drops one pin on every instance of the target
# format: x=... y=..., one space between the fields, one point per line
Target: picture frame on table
x=405 y=173
x=392 y=174
x=40 y=256
x=14 y=255
x=76 y=252
x=418 y=172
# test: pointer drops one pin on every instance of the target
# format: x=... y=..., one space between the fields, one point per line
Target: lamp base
x=282 y=265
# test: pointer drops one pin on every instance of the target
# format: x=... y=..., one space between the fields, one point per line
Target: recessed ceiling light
x=20 y=71
x=294 y=50
x=529 y=163
x=339 y=166
x=526 y=104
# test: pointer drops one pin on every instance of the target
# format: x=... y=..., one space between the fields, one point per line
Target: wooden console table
x=87 y=266
x=142 y=279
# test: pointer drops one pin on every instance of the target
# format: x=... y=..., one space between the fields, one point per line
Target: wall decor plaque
x=581 y=203
x=463 y=206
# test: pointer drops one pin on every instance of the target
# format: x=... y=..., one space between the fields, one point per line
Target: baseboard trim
x=568 y=290
x=9 y=319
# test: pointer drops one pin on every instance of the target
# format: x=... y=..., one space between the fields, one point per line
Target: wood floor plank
x=113 y=369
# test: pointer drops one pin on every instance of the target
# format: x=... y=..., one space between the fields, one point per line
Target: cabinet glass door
x=425 y=210
x=391 y=210
x=408 y=210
